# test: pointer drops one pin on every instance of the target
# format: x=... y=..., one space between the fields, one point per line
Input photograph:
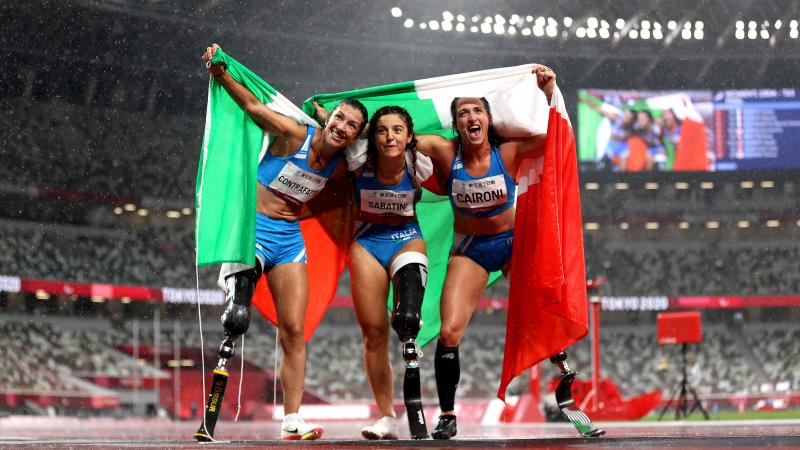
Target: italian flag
x=233 y=142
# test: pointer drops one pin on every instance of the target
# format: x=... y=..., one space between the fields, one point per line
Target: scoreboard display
x=757 y=129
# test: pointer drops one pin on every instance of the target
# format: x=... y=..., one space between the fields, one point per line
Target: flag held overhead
x=233 y=143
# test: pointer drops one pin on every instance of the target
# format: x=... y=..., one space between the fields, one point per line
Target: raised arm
x=438 y=148
x=266 y=118
x=603 y=111
x=532 y=146
x=320 y=112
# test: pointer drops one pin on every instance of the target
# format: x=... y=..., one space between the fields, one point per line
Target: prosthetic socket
x=235 y=319
x=409 y=273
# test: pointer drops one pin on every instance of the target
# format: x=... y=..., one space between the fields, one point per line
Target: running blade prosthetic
x=412 y=393
x=218 y=383
x=567 y=406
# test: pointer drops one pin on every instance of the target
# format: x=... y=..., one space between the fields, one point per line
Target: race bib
x=483 y=194
x=298 y=184
x=385 y=202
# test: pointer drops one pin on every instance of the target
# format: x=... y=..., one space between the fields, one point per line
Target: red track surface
x=65 y=433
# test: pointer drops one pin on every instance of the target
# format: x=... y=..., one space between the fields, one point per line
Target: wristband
x=215 y=69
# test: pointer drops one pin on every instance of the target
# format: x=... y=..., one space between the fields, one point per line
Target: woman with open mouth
x=478 y=169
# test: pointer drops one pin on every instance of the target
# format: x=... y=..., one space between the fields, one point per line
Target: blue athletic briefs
x=278 y=242
x=490 y=252
x=384 y=241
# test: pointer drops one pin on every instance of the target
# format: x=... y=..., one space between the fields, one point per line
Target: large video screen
x=636 y=131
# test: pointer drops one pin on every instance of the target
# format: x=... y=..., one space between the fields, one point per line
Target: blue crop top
x=484 y=196
x=290 y=177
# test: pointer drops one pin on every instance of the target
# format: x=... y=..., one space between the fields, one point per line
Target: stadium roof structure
x=304 y=45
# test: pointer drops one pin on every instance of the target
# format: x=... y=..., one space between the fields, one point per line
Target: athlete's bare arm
x=440 y=149
x=266 y=118
x=528 y=147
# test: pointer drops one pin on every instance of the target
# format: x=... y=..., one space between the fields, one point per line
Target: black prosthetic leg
x=235 y=320
x=409 y=290
x=412 y=396
x=565 y=401
x=218 y=383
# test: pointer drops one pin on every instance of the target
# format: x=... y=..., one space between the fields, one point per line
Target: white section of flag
x=518 y=107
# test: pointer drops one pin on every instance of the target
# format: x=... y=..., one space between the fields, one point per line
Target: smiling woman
x=388 y=246
x=298 y=164
x=103 y=116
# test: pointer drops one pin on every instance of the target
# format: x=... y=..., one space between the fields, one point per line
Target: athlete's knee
x=376 y=338
x=409 y=273
x=239 y=289
x=291 y=333
x=450 y=335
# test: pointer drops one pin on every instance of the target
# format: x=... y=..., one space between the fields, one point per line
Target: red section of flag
x=547 y=308
x=691 y=153
x=434 y=185
x=327 y=234
x=637 y=154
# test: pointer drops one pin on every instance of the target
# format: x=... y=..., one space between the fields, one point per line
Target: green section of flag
x=262 y=90
x=422 y=111
x=588 y=122
x=436 y=222
x=227 y=173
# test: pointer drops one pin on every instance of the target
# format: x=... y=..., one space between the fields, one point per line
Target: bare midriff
x=389 y=219
x=483 y=226
x=275 y=207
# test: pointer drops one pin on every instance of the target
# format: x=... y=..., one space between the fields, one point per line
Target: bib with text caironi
x=481 y=194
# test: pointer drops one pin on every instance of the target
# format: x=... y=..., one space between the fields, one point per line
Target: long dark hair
x=494 y=138
x=358 y=106
x=372 y=148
